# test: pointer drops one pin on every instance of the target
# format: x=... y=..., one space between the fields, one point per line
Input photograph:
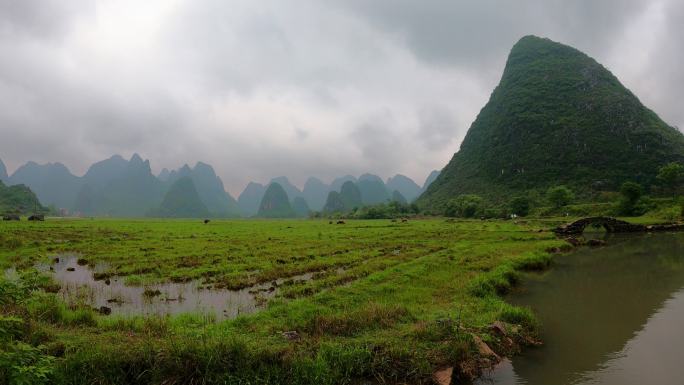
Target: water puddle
x=112 y=296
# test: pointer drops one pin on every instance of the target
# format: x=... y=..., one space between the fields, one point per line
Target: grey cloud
x=300 y=88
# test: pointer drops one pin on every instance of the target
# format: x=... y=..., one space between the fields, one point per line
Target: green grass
x=391 y=301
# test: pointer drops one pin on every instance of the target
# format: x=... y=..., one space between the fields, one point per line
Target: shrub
x=465 y=206
x=520 y=206
x=560 y=196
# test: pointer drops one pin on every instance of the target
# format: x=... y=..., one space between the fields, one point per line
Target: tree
x=632 y=201
x=671 y=176
x=560 y=196
x=464 y=206
x=520 y=206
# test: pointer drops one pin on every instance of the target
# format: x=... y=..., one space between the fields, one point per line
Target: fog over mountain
x=300 y=88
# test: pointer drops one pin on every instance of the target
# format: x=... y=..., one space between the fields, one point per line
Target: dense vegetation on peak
x=430 y=178
x=350 y=194
x=19 y=199
x=556 y=117
x=181 y=201
x=275 y=203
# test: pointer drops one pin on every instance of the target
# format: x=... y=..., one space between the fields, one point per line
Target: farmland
x=382 y=300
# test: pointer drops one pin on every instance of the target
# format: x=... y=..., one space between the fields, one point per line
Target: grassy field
x=389 y=301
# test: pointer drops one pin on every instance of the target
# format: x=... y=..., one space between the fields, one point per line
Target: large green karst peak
x=556 y=117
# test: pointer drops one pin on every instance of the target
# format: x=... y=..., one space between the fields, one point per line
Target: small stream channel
x=612 y=315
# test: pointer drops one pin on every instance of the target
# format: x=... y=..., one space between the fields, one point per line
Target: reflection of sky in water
x=612 y=316
x=79 y=286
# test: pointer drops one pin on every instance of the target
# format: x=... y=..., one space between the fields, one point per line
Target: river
x=612 y=315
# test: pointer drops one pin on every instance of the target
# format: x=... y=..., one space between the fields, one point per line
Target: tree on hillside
x=560 y=196
x=632 y=201
x=520 y=206
x=465 y=206
x=671 y=176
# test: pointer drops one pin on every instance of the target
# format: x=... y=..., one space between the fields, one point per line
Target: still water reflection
x=613 y=315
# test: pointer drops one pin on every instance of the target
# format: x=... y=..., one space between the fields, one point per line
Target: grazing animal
x=341 y=222
x=11 y=217
x=403 y=220
x=206 y=221
x=37 y=217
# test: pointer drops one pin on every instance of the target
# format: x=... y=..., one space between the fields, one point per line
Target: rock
x=484 y=349
x=443 y=377
x=596 y=242
x=291 y=335
x=70 y=269
x=82 y=261
x=573 y=241
x=499 y=328
x=104 y=310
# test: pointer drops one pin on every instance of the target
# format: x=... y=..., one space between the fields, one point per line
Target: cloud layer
x=299 y=88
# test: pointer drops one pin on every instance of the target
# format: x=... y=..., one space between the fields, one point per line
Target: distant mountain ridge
x=316 y=193
x=127 y=188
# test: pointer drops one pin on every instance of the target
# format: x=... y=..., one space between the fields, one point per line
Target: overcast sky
x=298 y=87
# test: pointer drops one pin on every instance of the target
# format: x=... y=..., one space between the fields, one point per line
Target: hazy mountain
x=181 y=201
x=3 y=172
x=53 y=183
x=336 y=185
x=405 y=185
x=430 y=178
x=315 y=192
x=100 y=174
x=373 y=191
x=371 y=178
x=291 y=190
x=275 y=203
x=210 y=189
x=164 y=175
x=398 y=197
x=556 y=117
x=18 y=199
x=334 y=203
x=300 y=207
x=250 y=198
x=133 y=193
x=350 y=195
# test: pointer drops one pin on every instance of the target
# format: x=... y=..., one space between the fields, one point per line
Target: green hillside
x=19 y=199
x=556 y=117
x=275 y=203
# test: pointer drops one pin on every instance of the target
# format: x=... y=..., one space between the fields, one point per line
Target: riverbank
x=389 y=301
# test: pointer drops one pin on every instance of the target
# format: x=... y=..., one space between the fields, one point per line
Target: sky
x=299 y=88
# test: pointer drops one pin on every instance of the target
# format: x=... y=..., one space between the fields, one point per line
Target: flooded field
x=610 y=315
x=80 y=284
